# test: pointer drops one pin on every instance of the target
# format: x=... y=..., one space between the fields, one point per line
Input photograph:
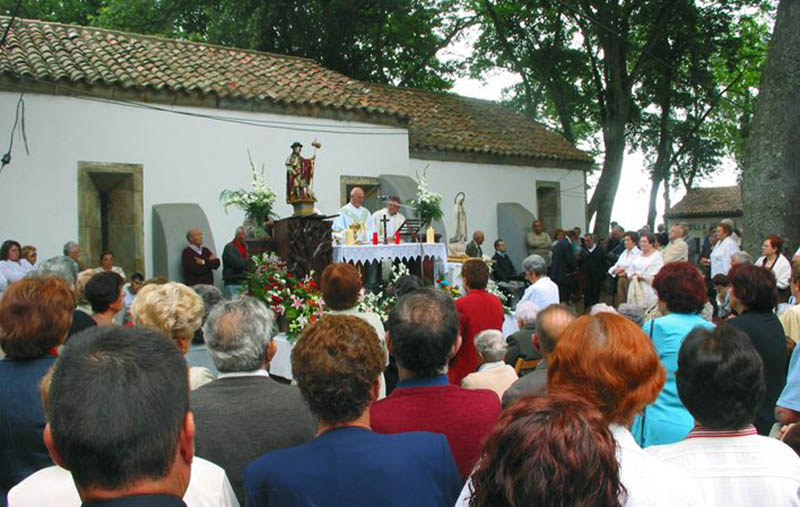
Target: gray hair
x=742 y=257
x=602 y=308
x=490 y=345
x=535 y=264
x=70 y=246
x=526 y=312
x=237 y=333
x=211 y=297
x=632 y=312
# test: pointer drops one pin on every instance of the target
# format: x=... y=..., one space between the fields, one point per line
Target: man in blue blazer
x=564 y=264
x=337 y=363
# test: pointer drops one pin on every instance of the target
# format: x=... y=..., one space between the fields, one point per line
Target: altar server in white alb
x=353 y=214
x=391 y=216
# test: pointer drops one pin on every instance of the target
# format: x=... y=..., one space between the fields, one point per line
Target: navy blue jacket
x=22 y=449
x=356 y=467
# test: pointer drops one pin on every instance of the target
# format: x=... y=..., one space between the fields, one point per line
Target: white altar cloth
x=403 y=251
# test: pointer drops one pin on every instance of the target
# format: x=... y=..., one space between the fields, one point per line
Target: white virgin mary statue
x=458 y=242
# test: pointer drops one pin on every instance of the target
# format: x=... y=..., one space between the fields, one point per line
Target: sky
x=630 y=206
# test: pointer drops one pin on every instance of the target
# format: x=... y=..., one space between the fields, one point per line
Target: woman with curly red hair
x=541 y=451
x=681 y=293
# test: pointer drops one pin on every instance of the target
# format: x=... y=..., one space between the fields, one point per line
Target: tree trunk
x=602 y=201
x=651 y=206
x=771 y=175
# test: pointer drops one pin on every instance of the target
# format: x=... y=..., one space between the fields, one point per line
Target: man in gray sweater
x=244 y=414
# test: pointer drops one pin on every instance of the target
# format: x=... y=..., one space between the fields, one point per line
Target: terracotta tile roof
x=75 y=55
x=710 y=201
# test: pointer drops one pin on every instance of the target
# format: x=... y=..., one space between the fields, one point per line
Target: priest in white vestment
x=353 y=214
x=394 y=219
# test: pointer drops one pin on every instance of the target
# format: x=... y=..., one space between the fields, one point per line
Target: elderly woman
x=35 y=315
x=542 y=291
x=721 y=254
x=610 y=362
x=775 y=261
x=541 y=451
x=176 y=311
x=539 y=242
x=620 y=269
x=477 y=311
x=12 y=266
x=520 y=344
x=492 y=372
x=642 y=271
x=341 y=287
x=337 y=363
x=753 y=297
x=681 y=297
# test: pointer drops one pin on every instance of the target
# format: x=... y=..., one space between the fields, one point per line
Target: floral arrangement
x=382 y=302
x=299 y=302
x=258 y=203
x=453 y=292
x=428 y=205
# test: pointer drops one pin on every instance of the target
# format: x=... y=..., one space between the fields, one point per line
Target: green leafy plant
x=257 y=203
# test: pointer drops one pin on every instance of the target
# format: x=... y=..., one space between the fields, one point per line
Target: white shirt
x=646 y=266
x=394 y=223
x=648 y=481
x=625 y=260
x=261 y=372
x=208 y=487
x=721 y=256
x=14 y=271
x=350 y=215
x=543 y=293
x=736 y=470
x=116 y=269
x=782 y=269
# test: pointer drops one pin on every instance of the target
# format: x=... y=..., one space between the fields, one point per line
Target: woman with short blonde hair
x=176 y=311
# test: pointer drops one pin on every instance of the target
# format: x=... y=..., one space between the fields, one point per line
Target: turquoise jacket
x=666 y=420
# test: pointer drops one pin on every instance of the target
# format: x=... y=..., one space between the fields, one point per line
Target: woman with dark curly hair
x=541 y=451
x=681 y=294
x=753 y=296
x=620 y=269
x=776 y=262
x=337 y=362
x=13 y=267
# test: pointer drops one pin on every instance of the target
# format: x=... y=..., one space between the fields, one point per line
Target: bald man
x=549 y=324
x=354 y=215
x=197 y=261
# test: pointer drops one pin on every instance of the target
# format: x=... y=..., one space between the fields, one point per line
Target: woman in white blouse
x=620 y=269
x=12 y=266
x=642 y=270
x=773 y=260
x=725 y=247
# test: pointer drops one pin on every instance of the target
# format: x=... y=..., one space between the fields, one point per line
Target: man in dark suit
x=564 y=265
x=244 y=413
x=593 y=266
x=337 y=363
x=128 y=388
x=197 y=261
x=549 y=323
x=235 y=263
x=502 y=269
x=474 y=247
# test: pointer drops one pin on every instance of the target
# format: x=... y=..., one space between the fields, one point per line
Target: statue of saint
x=461 y=219
x=299 y=175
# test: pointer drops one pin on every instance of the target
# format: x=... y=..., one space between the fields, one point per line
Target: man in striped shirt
x=720 y=380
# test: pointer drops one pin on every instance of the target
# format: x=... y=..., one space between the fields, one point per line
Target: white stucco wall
x=185 y=159
x=487 y=184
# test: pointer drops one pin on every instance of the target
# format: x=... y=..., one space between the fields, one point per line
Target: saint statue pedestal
x=304 y=242
x=303 y=207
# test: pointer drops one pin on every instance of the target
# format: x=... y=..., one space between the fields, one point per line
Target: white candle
x=429 y=238
x=349 y=237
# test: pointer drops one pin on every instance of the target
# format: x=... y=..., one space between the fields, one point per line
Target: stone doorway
x=111 y=213
x=548 y=204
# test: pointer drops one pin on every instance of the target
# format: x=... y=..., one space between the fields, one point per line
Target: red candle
x=374 y=238
x=396 y=238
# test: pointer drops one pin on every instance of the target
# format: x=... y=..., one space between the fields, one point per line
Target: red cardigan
x=194 y=273
x=464 y=416
x=477 y=311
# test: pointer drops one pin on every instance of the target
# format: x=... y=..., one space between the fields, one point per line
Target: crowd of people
x=682 y=388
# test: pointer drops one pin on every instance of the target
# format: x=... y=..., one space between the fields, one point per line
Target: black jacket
x=234 y=267
x=502 y=269
x=563 y=261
